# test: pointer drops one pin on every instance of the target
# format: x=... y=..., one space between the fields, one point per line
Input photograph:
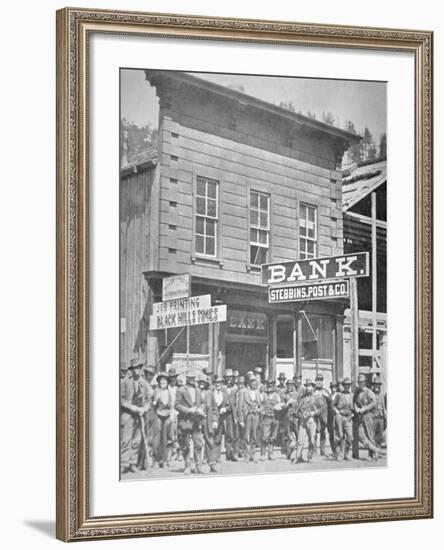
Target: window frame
x=216 y=218
x=258 y=227
x=307 y=239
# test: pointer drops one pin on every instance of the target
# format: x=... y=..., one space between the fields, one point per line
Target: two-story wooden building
x=235 y=182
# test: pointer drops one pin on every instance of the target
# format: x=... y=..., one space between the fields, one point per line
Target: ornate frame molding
x=73 y=519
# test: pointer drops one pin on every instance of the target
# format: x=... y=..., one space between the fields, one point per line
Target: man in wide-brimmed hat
x=249 y=415
x=135 y=400
x=281 y=383
x=222 y=407
x=162 y=408
x=379 y=413
x=173 y=385
x=230 y=419
x=307 y=412
x=364 y=403
x=123 y=370
x=191 y=411
x=271 y=408
x=322 y=396
x=210 y=421
x=291 y=401
x=149 y=373
x=343 y=408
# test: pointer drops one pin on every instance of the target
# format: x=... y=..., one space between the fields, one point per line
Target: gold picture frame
x=74 y=521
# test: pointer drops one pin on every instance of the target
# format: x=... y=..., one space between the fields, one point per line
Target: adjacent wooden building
x=234 y=182
x=365 y=229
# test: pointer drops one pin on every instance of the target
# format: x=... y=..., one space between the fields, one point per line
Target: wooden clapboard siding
x=206 y=135
x=212 y=138
x=137 y=255
x=240 y=167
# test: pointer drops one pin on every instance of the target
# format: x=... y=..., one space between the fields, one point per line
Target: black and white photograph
x=253 y=282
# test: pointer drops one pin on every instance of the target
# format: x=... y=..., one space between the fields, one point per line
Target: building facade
x=235 y=183
x=359 y=185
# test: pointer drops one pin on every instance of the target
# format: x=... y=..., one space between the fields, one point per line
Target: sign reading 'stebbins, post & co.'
x=176 y=286
x=317 y=269
x=308 y=291
x=196 y=310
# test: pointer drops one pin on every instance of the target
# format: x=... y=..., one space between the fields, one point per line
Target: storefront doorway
x=244 y=356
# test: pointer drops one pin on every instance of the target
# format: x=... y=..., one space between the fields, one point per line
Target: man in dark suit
x=322 y=398
x=231 y=418
x=271 y=409
x=249 y=412
x=307 y=412
x=210 y=422
x=221 y=404
x=364 y=402
x=191 y=411
x=135 y=401
x=379 y=414
x=343 y=421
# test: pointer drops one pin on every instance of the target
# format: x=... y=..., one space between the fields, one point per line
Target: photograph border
x=73 y=519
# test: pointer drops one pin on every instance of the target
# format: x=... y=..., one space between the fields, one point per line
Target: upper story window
x=308 y=232
x=206 y=211
x=259 y=227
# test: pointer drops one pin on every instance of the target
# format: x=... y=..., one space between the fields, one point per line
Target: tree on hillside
x=383 y=147
x=135 y=139
x=328 y=118
x=287 y=105
x=354 y=152
x=368 y=147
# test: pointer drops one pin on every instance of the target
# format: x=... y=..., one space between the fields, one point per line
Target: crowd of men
x=198 y=418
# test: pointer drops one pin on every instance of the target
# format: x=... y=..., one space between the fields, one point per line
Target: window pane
x=212 y=189
x=263 y=237
x=311 y=233
x=254 y=217
x=302 y=246
x=311 y=214
x=200 y=244
x=253 y=235
x=302 y=231
x=211 y=208
x=264 y=219
x=253 y=254
x=200 y=226
x=310 y=247
x=200 y=189
x=210 y=227
x=264 y=202
x=211 y=245
x=254 y=199
x=258 y=255
x=200 y=206
x=302 y=211
x=262 y=256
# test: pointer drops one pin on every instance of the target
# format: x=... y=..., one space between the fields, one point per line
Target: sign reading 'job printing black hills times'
x=317 y=269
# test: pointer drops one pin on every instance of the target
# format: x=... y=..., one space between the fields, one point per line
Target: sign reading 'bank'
x=317 y=269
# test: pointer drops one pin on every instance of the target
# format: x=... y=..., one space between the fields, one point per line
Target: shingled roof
x=362 y=181
x=144 y=159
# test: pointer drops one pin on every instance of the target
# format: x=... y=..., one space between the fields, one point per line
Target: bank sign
x=317 y=269
x=308 y=291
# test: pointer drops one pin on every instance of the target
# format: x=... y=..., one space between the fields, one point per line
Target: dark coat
x=187 y=419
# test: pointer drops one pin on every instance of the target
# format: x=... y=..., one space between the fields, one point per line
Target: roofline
x=369 y=190
x=241 y=97
x=135 y=167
